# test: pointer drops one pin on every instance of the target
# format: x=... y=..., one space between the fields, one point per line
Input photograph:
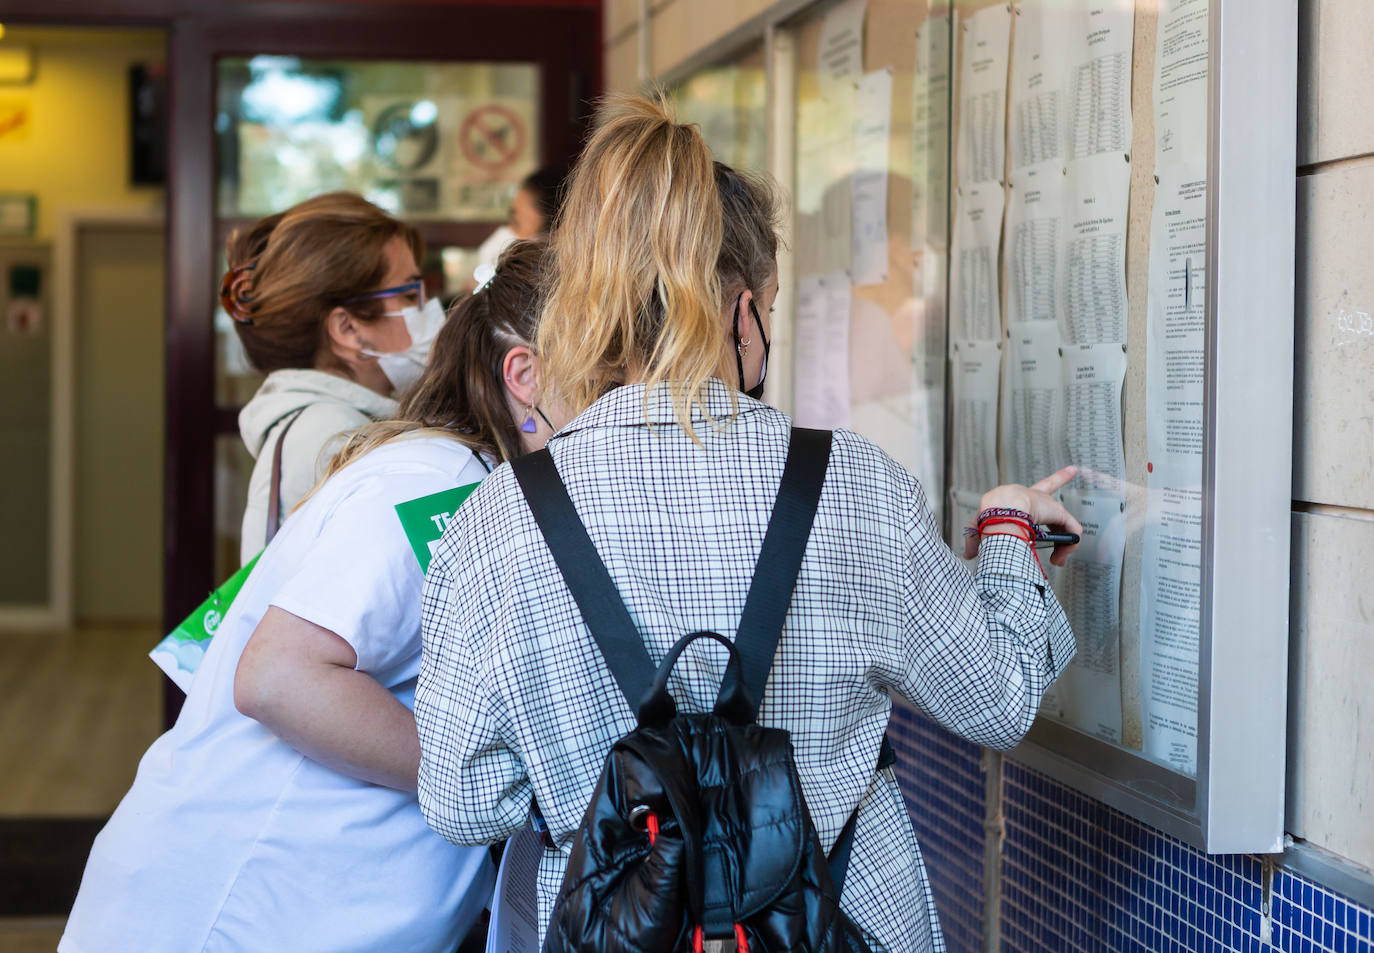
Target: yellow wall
x=74 y=152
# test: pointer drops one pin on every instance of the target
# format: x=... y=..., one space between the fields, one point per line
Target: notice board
x=1045 y=232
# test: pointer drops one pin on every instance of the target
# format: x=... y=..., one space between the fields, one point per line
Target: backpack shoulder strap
x=588 y=580
x=780 y=559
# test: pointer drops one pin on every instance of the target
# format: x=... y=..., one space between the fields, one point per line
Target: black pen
x=1043 y=534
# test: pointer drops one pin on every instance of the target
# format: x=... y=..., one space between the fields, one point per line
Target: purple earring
x=529 y=426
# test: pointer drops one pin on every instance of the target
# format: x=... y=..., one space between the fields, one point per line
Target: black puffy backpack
x=697 y=830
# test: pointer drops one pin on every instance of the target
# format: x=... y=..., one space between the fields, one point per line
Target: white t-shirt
x=230 y=839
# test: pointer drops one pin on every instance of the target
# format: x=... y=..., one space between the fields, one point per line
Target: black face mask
x=756 y=391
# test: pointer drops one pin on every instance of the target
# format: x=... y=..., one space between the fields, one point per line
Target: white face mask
x=404 y=368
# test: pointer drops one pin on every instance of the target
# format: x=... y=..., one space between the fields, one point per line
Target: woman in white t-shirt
x=279 y=812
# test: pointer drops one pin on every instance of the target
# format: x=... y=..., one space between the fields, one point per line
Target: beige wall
x=620 y=36
x=75 y=149
x=677 y=29
x=1331 y=743
x=120 y=347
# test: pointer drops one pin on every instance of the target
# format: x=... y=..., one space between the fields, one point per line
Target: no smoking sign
x=492 y=137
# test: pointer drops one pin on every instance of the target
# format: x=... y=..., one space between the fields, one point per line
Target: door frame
x=566 y=45
x=58 y=613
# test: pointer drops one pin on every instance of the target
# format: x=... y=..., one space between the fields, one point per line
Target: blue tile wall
x=942 y=778
x=1080 y=877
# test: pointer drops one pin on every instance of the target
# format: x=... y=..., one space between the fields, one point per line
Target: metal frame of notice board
x=1236 y=802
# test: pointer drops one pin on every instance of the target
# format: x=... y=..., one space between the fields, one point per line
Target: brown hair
x=750 y=216
x=462 y=388
x=652 y=235
x=289 y=270
x=461 y=394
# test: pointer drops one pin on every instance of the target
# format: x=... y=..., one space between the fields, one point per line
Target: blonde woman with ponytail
x=279 y=812
x=654 y=332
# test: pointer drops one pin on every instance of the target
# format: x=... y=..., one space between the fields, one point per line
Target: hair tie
x=233 y=293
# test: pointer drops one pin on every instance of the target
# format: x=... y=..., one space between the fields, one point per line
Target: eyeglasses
x=416 y=288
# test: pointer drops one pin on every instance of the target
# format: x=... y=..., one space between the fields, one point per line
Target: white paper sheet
x=1180 y=85
x=1097 y=193
x=1170 y=617
x=975 y=305
x=930 y=130
x=1070 y=81
x=977 y=373
x=1176 y=312
x=514 y=926
x=1033 y=425
x=1175 y=336
x=1039 y=99
x=1089 y=589
x=985 y=51
x=1093 y=375
x=822 y=349
x=1035 y=244
x=842 y=48
x=872 y=140
x=1100 y=81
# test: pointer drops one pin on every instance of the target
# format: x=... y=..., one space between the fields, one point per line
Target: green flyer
x=180 y=653
x=426 y=518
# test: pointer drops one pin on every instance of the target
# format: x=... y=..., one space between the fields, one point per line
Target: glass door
x=434 y=113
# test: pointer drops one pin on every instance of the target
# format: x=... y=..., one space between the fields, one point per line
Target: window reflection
x=446 y=141
x=728 y=102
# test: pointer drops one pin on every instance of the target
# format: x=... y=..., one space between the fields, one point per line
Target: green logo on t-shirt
x=425 y=519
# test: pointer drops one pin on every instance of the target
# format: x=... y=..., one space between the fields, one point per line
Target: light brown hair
x=290 y=270
x=641 y=260
x=461 y=394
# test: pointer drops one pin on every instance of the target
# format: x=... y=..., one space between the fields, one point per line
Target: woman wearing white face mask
x=328 y=301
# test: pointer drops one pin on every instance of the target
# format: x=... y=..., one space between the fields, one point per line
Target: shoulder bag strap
x=588 y=580
x=274 y=495
x=780 y=559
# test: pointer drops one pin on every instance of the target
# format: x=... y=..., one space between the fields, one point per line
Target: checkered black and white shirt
x=514 y=700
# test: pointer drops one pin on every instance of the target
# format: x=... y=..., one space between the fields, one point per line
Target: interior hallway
x=79 y=709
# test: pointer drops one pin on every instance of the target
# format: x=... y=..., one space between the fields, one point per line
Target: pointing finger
x=1056 y=480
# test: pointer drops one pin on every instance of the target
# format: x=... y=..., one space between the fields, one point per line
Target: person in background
x=532 y=213
x=535 y=206
x=328 y=301
x=279 y=812
x=654 y=331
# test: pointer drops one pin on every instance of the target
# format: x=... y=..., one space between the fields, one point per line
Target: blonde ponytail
x=633 y=288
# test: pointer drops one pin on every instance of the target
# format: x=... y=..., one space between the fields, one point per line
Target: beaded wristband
x=997 y=514
x=1003 y=514
x=994 y=513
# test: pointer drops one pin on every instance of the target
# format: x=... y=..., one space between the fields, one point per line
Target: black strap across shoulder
x=765 y=608
x=770 y=594
x=588 y=580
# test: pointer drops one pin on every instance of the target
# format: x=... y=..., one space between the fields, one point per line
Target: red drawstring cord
x=698 y=938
